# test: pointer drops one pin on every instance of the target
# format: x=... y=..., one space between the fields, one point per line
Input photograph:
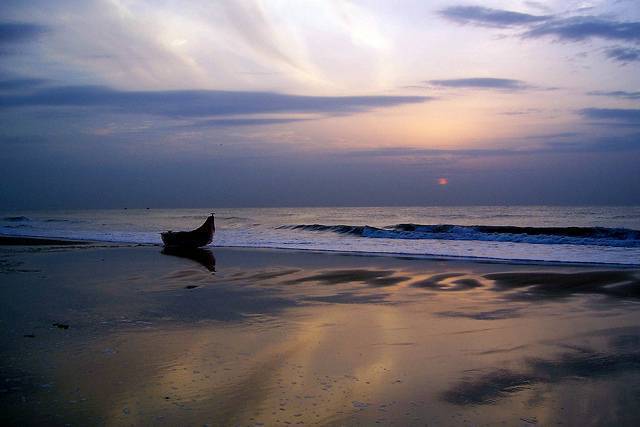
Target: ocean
x=587 y=234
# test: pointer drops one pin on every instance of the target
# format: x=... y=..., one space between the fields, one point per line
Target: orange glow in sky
x=443 y=181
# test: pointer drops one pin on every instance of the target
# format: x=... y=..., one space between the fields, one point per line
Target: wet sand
x=36 y=241
x=139 y=336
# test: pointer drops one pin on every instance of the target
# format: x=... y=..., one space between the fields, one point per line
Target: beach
x=327 y=213
x=113 y=334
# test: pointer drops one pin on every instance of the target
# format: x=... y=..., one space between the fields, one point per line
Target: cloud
x=629 y=116
x=427 y=152
x=256 y=30
x=481 y=83
x=617 y=94
x=581 y=28
x=565 y=142
x=523 y=112
x=552 y=135
x=18 y=32
x=623 y=54
x=484 y=16
x=20 y=84
x=598 y=145
x=14 y=35
x=572 y=29
x=538 y=5
x=576 y=28
x=244 y=122
x=199 y=103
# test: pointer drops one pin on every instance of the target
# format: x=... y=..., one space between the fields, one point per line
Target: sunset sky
x=318 y=103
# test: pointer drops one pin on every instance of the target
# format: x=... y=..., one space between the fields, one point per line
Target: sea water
x=590 y=234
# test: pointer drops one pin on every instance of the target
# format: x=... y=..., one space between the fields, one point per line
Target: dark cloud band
x=584 y=27
x=231 y=122
x=485 y=16
x=623 y=115
x=617 y=94
x=17 y=32
x=200 y=103
x=20 y=84
x=481 y=83
x=572 y=29
x=623 y=54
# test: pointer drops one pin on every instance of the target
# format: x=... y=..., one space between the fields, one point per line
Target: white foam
x=258 y=228
x=423 y=248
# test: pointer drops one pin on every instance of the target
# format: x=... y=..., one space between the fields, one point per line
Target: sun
x=443 y=181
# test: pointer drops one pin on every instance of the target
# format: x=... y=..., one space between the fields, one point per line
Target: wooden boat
x=197 y=238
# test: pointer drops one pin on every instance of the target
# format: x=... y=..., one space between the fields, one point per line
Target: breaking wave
x=16 y=219
x=23 y=219
x=598 y=236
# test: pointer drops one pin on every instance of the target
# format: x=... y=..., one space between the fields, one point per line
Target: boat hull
x=197 y=238
x=186 y=239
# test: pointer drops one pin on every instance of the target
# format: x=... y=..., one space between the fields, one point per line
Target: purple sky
x=290 y=103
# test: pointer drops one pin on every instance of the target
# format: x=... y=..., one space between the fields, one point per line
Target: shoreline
x=7 y=240
x=15 y=240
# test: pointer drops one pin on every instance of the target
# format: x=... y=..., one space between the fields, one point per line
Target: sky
x=113 y=103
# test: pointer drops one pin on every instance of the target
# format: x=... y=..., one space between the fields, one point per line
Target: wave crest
x=599 y=236
x=16 y=219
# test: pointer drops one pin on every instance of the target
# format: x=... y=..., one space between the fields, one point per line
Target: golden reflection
x=437 y=344
x=317 y=370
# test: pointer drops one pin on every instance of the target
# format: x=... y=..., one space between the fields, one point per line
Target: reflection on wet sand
x=617 y=365
x=549 y=285
x=369 y=277
x=279 y=338
x=204 y=257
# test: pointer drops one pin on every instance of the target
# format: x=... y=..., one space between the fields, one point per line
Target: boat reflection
x=203 y=257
